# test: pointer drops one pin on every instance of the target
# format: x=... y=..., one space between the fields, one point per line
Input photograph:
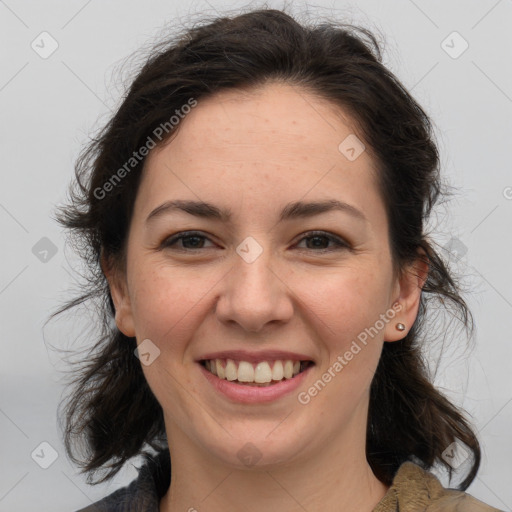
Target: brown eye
x=320 y=241
x=190 y=240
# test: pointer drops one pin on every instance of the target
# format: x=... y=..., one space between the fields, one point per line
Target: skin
x=253 y=152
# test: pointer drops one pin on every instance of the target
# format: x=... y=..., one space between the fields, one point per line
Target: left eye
x=195 y=240
x=320 y=238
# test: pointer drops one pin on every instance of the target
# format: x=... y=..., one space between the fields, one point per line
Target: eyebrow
x=298 y=209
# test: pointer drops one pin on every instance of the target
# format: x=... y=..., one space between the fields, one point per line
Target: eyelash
x=340 y=243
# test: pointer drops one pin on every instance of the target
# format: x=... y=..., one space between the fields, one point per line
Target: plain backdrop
x=454 y=56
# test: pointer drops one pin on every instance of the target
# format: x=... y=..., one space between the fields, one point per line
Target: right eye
x=194 y=240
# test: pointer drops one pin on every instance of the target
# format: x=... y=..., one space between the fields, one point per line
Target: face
x=257 y=281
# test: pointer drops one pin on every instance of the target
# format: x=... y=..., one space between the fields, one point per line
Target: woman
x=274 y=371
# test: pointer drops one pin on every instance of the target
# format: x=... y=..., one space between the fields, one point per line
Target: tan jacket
x=416 y=490
x=413 y=490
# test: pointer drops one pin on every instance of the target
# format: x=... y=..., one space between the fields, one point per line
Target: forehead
x=281 y=115
x=275 y=144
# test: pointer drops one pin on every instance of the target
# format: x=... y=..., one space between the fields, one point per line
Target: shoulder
x=414 y=488
x=142 y=494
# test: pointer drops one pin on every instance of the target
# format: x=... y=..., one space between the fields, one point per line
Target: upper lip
x=255 y=357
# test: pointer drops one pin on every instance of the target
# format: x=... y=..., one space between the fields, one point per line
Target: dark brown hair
x=111 y=413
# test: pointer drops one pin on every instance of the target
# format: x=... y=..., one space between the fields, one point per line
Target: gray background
x=50 y=105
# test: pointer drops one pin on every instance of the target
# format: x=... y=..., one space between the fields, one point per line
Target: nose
x=255 y=294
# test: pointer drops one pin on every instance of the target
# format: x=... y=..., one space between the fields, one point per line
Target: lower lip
x=254 y=394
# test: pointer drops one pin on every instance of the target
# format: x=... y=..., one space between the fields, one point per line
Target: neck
x=339 y=478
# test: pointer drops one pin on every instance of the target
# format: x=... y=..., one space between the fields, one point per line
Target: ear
x=407 y=295
x=120 y=297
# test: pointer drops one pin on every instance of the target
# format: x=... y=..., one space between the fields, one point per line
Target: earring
x=400 y=326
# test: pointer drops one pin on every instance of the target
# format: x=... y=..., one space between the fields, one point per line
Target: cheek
x=166 y=302
x=344 y=301
x=344 y=310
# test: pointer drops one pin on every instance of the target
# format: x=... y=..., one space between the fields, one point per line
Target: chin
x=255 y=451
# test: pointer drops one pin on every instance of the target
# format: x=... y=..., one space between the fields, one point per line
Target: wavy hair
x=111 y=415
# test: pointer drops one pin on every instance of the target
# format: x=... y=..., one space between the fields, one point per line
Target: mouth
x=255 y=374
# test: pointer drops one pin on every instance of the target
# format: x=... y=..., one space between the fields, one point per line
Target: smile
x=260 y=374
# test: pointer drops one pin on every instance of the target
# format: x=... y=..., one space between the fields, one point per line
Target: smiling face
x=262 y=277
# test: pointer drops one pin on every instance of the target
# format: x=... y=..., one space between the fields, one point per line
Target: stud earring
x=400 y=326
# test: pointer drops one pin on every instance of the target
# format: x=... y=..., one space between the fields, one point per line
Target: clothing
x=413 y=490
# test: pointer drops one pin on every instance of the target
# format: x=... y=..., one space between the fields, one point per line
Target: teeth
x=220 y=369
x=277 y=371
x=288 y=369
x=245 y=372
x=231 y=371
x=263 y=373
